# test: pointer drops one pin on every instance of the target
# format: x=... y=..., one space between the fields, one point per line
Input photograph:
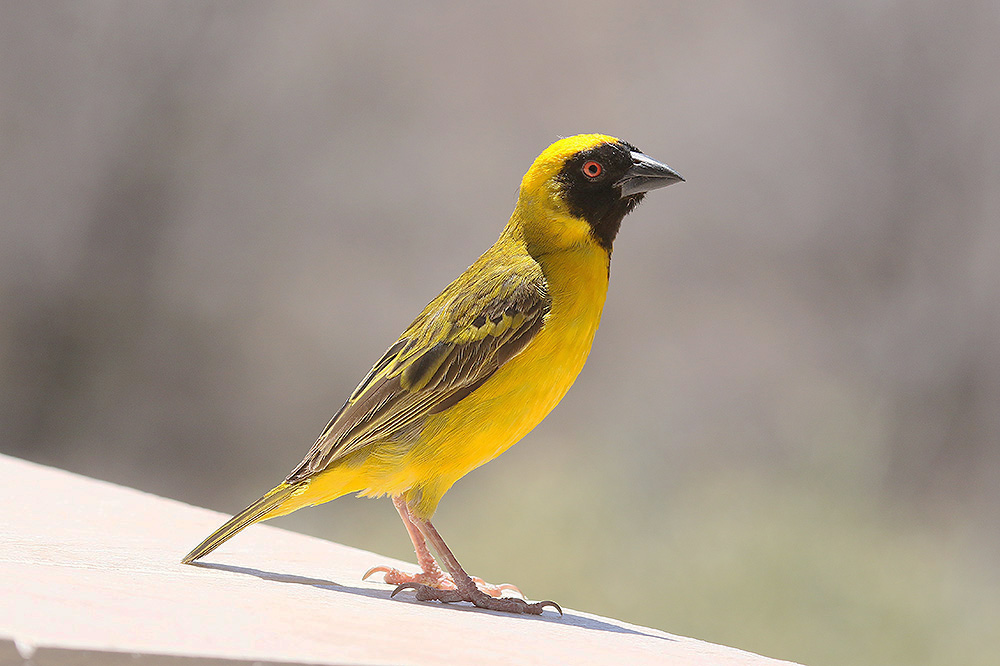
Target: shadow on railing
x=569 y=618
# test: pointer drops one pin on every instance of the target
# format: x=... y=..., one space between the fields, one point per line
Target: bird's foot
x=478 y=598
x=437 y=580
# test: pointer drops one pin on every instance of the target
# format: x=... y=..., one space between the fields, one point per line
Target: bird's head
x=579 y=189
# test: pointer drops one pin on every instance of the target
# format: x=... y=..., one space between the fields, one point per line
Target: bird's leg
x=465 y=588
x=430 y=573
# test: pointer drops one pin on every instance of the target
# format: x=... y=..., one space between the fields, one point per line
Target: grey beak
x=646 y=174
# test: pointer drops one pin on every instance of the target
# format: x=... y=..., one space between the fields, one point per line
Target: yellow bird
x=482 y=365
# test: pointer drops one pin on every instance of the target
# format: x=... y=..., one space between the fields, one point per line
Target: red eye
x=592 y=169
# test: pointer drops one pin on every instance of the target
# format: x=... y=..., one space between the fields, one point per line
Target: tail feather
x=268 y=506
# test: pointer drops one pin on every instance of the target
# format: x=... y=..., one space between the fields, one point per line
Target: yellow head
x=579 y=189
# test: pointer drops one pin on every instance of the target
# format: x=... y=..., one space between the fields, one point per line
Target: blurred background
x=216 y=216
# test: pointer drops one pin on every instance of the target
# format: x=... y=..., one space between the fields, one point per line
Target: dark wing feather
x=456 y=344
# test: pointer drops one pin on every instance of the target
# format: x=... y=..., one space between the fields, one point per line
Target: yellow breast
x=523 y=391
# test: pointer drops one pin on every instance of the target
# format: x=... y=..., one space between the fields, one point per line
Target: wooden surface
x=90 y=574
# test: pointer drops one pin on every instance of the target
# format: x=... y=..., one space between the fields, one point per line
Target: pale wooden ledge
x=90 y=574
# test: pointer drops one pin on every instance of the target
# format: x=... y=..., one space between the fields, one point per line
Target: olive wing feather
x=453 y=347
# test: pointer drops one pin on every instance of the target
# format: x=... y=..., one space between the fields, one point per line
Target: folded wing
x=456 y=344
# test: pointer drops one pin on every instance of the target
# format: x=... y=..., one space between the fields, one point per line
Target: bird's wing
x=460 y=339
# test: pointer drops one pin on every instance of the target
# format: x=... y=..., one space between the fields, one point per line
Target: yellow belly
x=501 y=411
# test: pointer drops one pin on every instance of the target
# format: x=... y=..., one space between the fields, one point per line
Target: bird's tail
x=274 y=503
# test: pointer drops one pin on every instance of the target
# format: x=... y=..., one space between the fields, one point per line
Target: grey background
x=215 y=216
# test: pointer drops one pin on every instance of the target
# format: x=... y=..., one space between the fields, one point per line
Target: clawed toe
x=478 y=598
x=428 y=593
x=496 y=590
x=439 y=580
x=379 y=569
x=396 y=577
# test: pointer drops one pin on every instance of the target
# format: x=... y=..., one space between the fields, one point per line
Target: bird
x=479 y=367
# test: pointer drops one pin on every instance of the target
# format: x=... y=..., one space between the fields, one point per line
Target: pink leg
x=466 y=588
x=430 y=574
